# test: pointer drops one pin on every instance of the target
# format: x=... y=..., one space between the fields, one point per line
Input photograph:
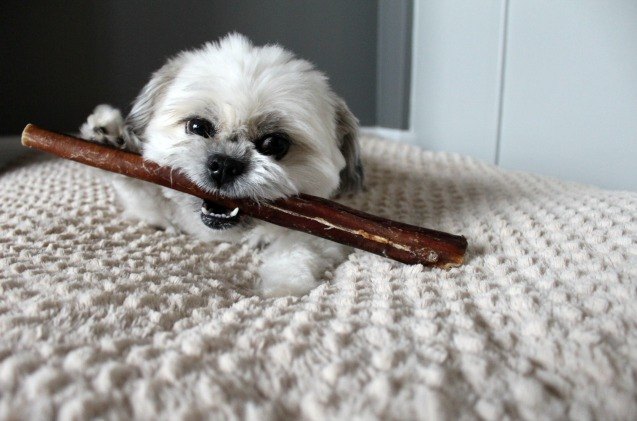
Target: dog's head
x=246 y=121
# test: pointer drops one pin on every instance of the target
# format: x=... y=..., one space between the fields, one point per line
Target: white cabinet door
x=547 y=86
x=455 y=81
x=570 y=91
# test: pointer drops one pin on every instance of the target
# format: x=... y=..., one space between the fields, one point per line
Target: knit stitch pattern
x=105 y=317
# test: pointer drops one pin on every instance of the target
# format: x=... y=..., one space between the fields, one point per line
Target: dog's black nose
x=223 y=169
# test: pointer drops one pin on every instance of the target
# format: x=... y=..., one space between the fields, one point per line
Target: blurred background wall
x=60 y=59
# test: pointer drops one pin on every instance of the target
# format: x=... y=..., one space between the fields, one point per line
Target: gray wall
x=60 y=59
x=394 y=63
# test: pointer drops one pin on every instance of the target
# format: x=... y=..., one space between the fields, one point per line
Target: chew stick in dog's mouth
x=324 y=218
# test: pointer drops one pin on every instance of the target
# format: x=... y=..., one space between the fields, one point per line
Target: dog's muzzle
x=222 y=170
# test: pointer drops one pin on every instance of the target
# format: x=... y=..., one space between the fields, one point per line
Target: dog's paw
x=105 y=126
x=282 y=279
x=295 y=263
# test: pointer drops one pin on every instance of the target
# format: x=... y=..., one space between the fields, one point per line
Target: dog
x=242 y=121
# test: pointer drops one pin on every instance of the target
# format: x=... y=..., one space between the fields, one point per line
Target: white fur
x=242 y=89
x=103 y=117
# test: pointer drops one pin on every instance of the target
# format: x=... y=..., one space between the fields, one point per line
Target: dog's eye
x=276 y=145
x=200 y=127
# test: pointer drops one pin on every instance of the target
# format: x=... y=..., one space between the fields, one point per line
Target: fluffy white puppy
x=240 y=121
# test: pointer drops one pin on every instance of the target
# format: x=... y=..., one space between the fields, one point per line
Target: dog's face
x=246 y=121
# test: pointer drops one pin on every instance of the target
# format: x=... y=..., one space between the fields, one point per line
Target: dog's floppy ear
x=347 y=135
x=145 y=103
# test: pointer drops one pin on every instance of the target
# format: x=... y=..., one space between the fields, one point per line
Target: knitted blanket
x=105 y=317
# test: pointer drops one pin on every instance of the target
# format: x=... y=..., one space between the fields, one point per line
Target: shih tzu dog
x=240 y=121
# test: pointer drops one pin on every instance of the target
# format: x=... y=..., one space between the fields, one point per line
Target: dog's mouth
x=219 y=217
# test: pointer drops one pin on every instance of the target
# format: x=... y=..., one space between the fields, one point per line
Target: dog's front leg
x=295 y=262
x=141 y=200
x=106 y=126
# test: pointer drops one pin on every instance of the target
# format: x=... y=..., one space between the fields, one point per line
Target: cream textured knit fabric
x=104 y=317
